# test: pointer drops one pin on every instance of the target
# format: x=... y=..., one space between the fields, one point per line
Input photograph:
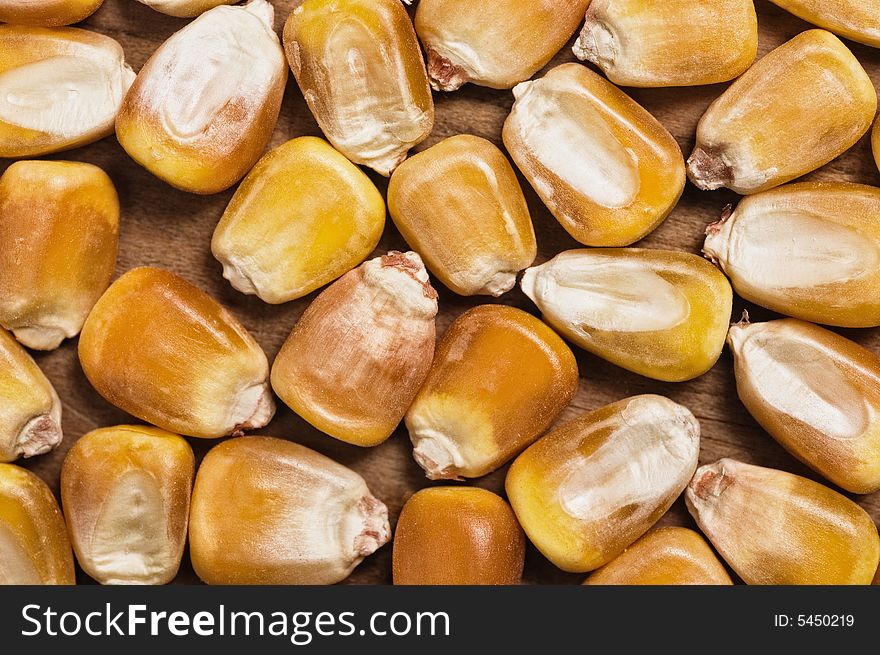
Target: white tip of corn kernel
x=262 y=10
x=370 y=527
x=42 y=337
x=39 y=435
x=709 y=483
x=498 y=284
x=254 y=407
x=403 y=278
x=596 y=44
x=443 y=74
x=436 y=453
x=708 y=171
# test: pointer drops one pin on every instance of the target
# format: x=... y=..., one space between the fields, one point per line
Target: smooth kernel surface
x=858 y=20
x=47 y=13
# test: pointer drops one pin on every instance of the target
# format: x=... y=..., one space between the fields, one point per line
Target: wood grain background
x=168 y=228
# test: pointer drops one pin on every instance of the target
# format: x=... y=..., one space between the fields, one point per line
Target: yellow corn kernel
x=292 y=516
x=457 y=536
x=606 y=169
x=30 y=411
x=875 y=142
x=816 y=393
x=808 y=250
x=658 y=313
x=47 y=13
x=460 y=206
x=35 y=64
x=60 y=226
x=671 y=43
x=360 y=69
x=774 y=527
x=204 y=106
x=799 y=107
x=34 y=548
x=356 y=359
x=185 y=8
x=499 y=379
x=302 y=217
x=858 y=20
x=126 y=494
x=496 y=44
x=665 y=556
x=165 y=351
x=587 y=490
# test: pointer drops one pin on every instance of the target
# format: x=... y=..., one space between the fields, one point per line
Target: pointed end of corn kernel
x=375 y=529
x=736 y=333
x=528 y=282
x=500 y=283
x=403 y=277
x=595 y=44
x=41 y=337
x=40 y=435
x=263 y=10
x=254 y=407
x=707 y=170
x=709 y=482
x=717 y=237
x=436 y=454
x=238 y=277
x=443 y=74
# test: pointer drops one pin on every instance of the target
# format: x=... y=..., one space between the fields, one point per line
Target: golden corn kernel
x=774 y=527
x=496 y=44
x=606 y=169
x=499 y=379
x=36 y=64
x=126 y=493
x=816 y=393
x=665 y=556
x=359 y=66
x=460 y=206
x=587 y=490
x=165 y=351
x=457 y=536
x=47 y=13
x=875 y=142
x=808 y=250
x=356 y=359
x=30 y=411
x=658 y=313
x=293 y=516
x=33 y=540
x=302 y=217
x=670 y=43
x=185 y=8
x=799 y=107
x=858 y=20
x=60 y=226
x=204 y=106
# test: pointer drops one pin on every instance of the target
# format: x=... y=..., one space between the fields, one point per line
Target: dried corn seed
x=858 y=20
x=34 y=548
x=671 y=43
x=875 y=142
x=457 y=536
x=496 y=44
x=292 y=517
x=203 y=107
x=460 y=206
x=360 y=69
x=36 y=64
x=773 y=527
x=356 y=359
x=499 y=379
x=302 y=217
x=799 y=107
x=165 y=351
x=126 y=494
x=47 y=13
x=809 y=250
x=60 y=226
x=185 y=8
x=606 y=169
x=587 y=490
x=661 y=314
x=665 y=556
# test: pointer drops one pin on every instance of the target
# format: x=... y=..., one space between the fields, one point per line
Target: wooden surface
x=172 y=229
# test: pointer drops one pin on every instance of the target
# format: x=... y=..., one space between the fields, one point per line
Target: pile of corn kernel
x=587 y=494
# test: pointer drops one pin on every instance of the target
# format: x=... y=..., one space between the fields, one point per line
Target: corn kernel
x=799 y=107
x=357 y=357
x=665 y=556
x=360 y=69
x=460 y=206
x=60 y=226
x=671 y=43
x=587 y=490
x=496 y=44
x=165 y=351
x=302 y=217
x=499 y=379
x=293 y=516
x=857 y=20
x=661 y=314
x=47 y=13
x=774 y=527
x=204 y=106
x=30 y=411
x=457 y=536
x=809 y=250
x=35 y=64
x=185 y=8
x=33 y=540
x=606 y=169
x=126 y=494
x=875 y=142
